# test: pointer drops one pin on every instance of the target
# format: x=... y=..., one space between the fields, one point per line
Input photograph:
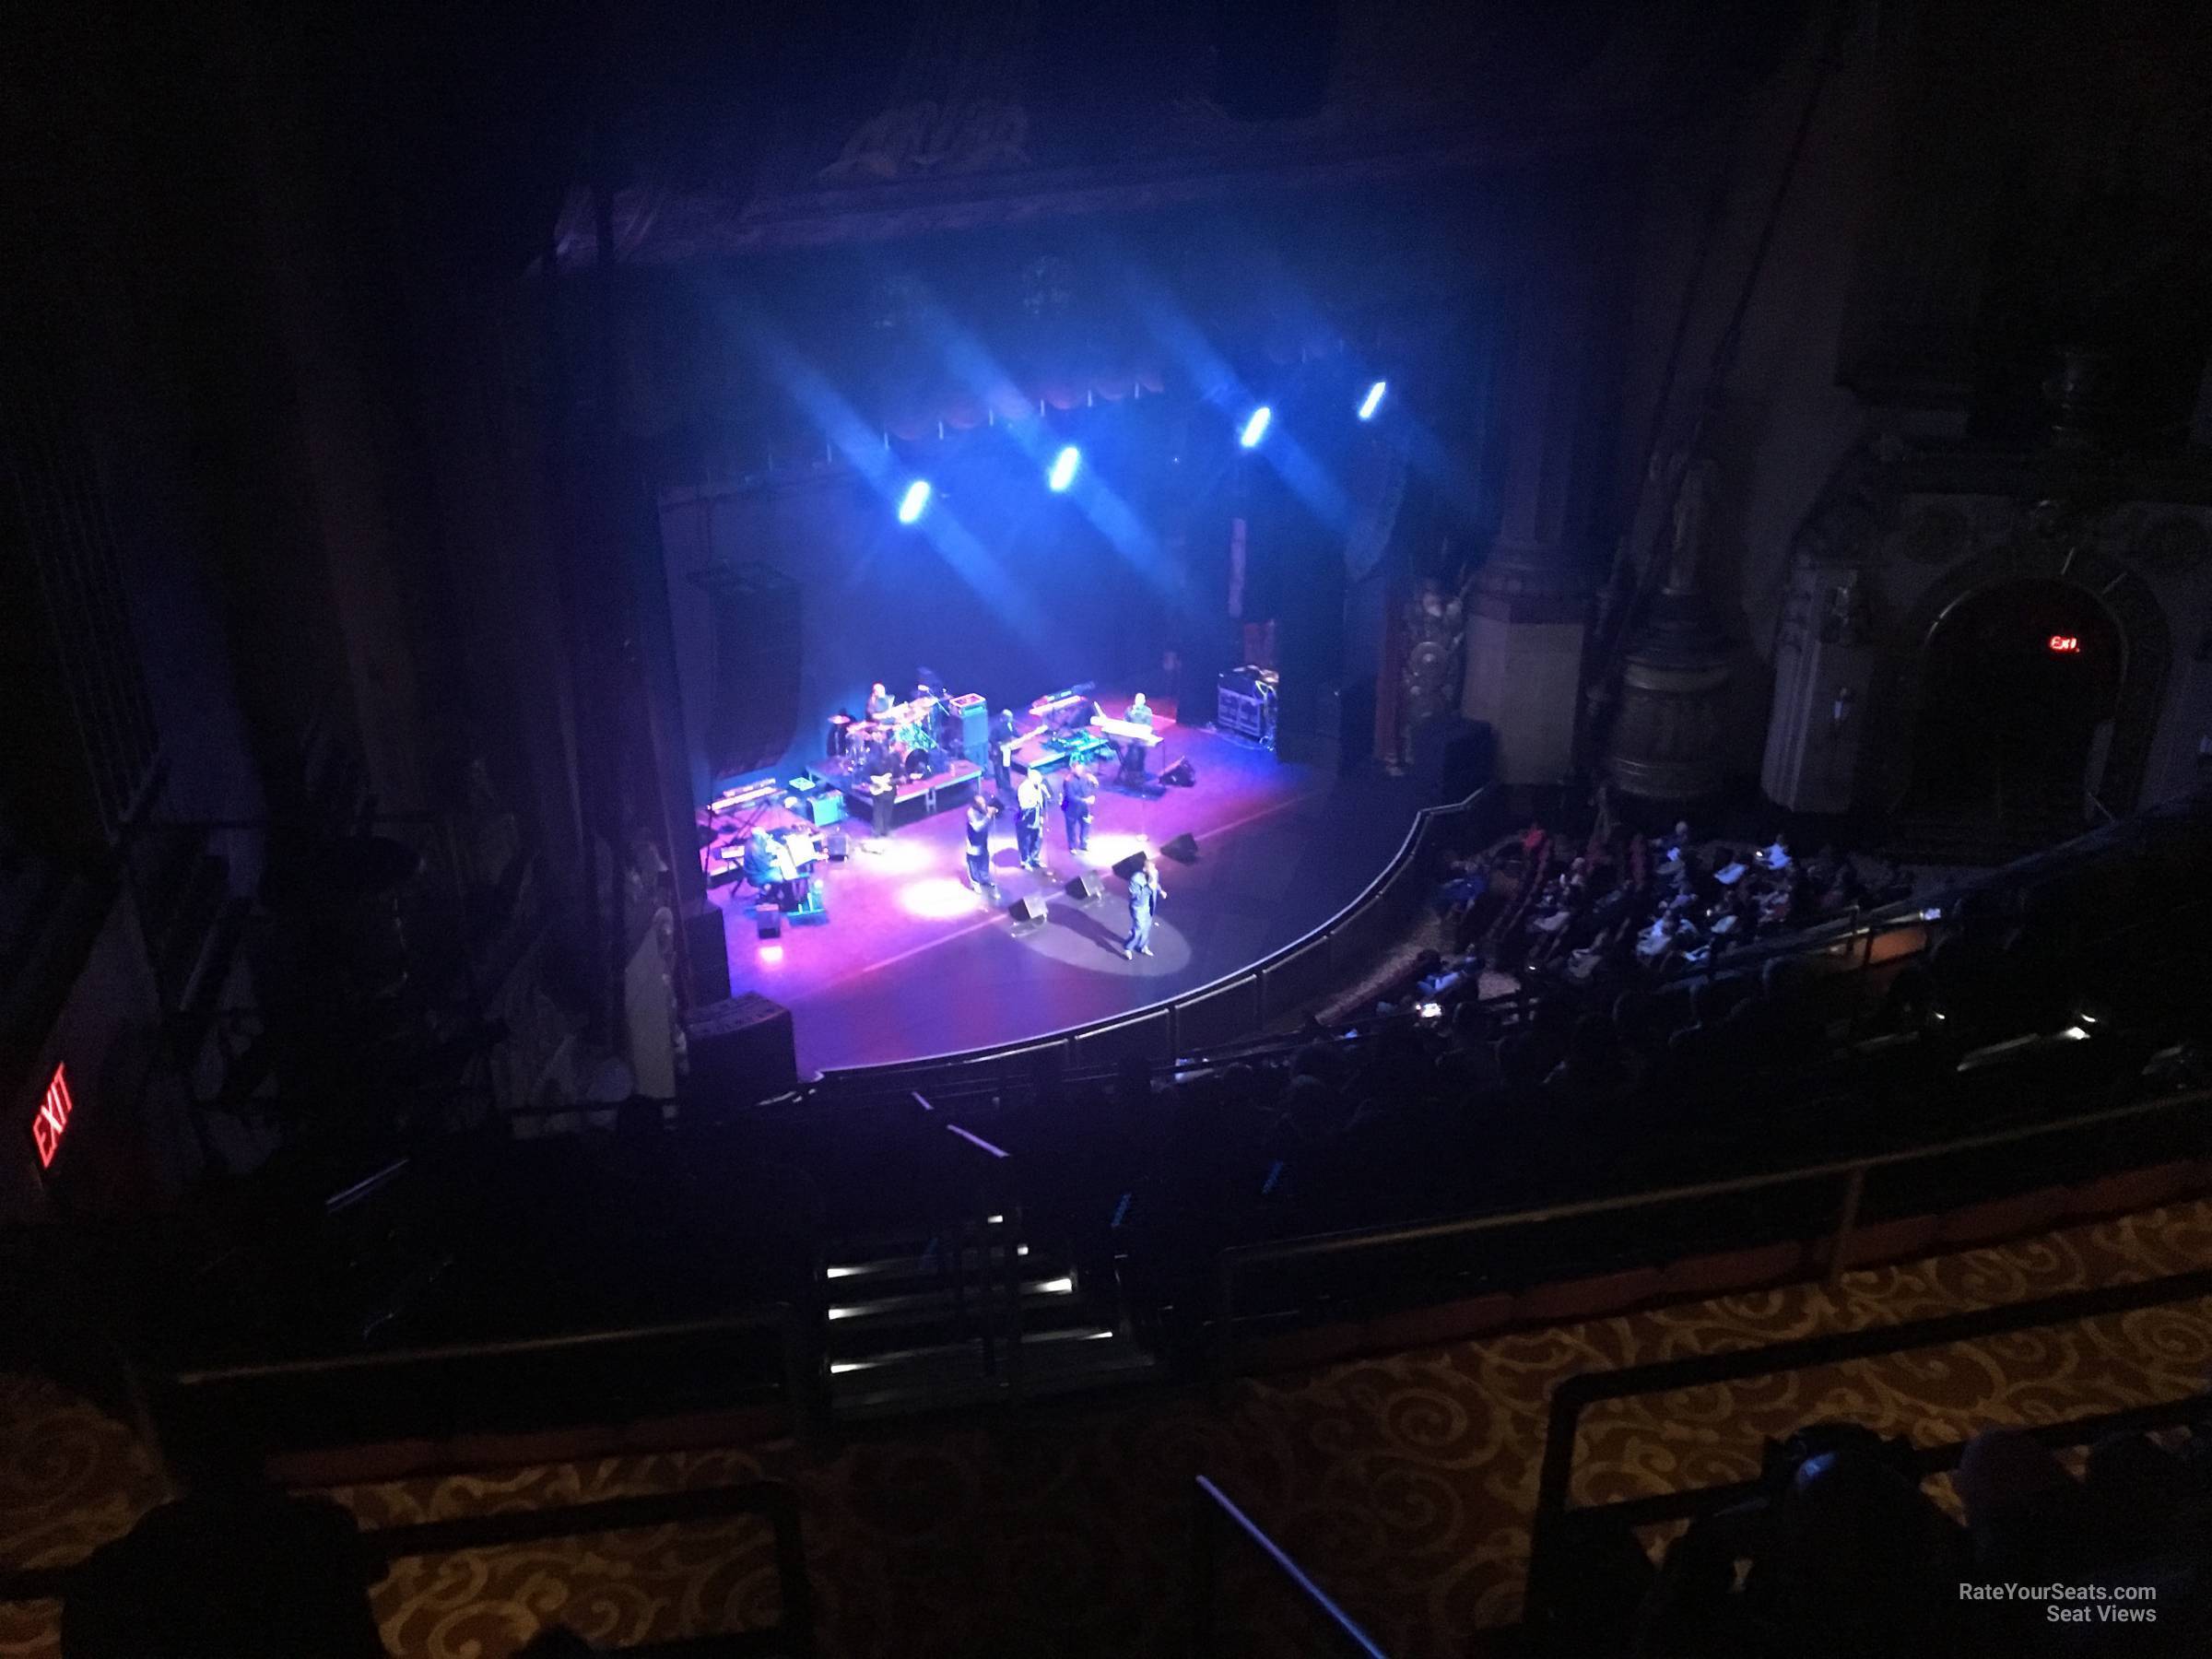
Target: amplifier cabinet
x=1244 y=704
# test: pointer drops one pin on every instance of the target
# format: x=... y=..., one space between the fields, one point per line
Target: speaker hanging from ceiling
x=752 y=707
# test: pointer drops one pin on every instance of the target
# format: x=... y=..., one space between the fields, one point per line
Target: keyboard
x=1127 y=731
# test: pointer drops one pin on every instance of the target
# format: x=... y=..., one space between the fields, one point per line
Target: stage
x=910 y=963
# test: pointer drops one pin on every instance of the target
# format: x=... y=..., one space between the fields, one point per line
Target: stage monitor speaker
x=1086 y=888
x=768 y=919
x=740 y=1052
x=1182 y=774
x=707 y=954
x=1128 y=866
x=1027 y=909
x=1183 y=848
x=838 y=845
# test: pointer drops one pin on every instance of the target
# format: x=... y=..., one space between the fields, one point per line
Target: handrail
x=773 y=1501
x=782 y=1317
x=1342 y=1629
x=1407 y=849
x=1576 y=1394
x=1238 y=1258
x=994 y=1199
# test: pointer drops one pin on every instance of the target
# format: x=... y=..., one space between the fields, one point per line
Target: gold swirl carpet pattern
x=1405 y=1484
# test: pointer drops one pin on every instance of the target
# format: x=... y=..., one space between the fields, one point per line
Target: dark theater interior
x=1129 y=830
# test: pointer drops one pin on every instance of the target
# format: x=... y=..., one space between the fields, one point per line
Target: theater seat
x=1726 y=1270
x=2002 y=1217
x=2130 y=1190
x=1586 y=1298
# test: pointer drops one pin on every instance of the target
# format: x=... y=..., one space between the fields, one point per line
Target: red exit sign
x=46 y=1129
x=2066 y=644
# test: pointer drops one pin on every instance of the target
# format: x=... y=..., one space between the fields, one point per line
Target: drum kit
x=903 y=742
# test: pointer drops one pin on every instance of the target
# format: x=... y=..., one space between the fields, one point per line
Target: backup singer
x=979 y=849
x=1145 y=894
x=1029 y=827
x=1077 y=798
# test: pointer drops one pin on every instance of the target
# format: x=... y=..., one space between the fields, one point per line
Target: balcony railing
x=790 y=1636
x=1844 y=1179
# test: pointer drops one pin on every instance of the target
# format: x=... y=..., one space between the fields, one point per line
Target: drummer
x=879 y=701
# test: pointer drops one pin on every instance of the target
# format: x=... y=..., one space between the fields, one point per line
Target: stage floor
x=910 y=963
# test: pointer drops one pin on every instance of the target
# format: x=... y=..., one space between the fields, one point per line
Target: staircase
x=195 y=926
x=971 y=1312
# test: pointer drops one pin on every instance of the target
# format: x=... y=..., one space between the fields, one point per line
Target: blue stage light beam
x=1255 y=426
x=914 y=502
x=862 y=449
x=1065 y=466
x=1373 y=400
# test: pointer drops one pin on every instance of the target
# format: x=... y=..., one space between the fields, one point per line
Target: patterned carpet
x=1405 y=1484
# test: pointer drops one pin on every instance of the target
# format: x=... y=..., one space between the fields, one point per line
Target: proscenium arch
x=2146 y=648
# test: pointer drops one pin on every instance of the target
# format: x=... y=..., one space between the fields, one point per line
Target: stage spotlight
x=914 y=502
x=1255 y=426
x=1373 y=400
x=1064 y=468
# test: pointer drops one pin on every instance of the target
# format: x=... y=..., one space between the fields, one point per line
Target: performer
x=1004 y=736
x=979 y=849
x=879 y=701
x=1076 y=796
x=1145 y=894
x=774 y=871
x=876 y=756
x=1133 y=753
x=1030 y=825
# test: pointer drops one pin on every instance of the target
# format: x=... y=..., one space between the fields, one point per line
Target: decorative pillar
x=1824 y=651
x=1667 y=740
x=1528 y=604
x=1823 y=668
